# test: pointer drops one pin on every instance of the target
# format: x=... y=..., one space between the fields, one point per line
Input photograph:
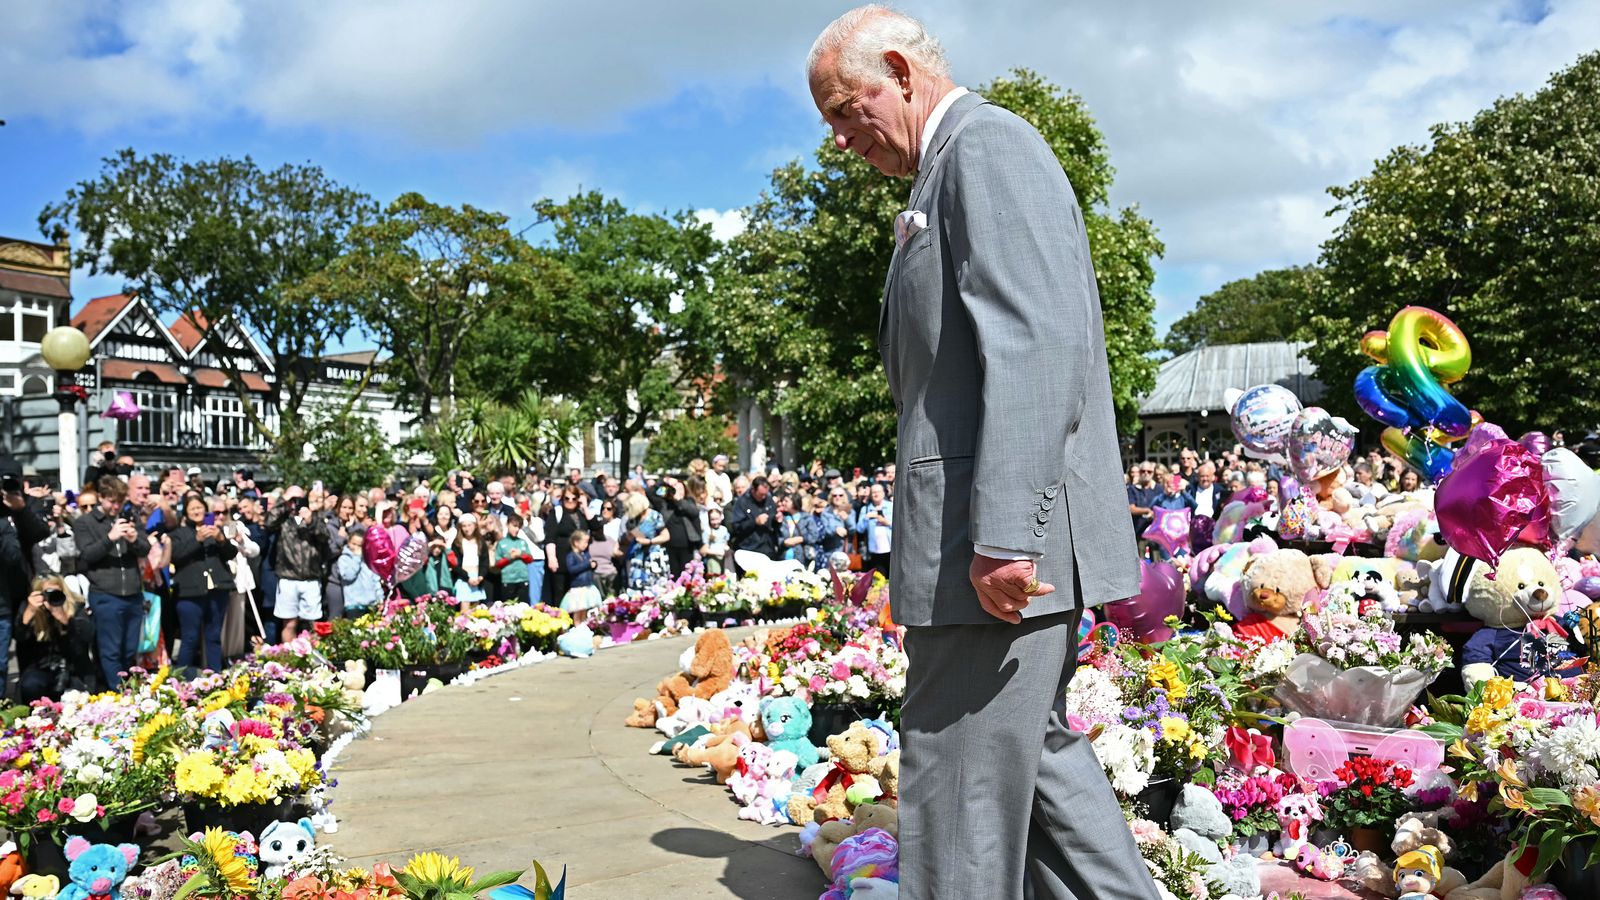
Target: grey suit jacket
x=992 y=339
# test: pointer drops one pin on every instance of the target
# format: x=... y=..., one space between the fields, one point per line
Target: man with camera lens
x=53 y=641
x=111 y=542
x=20 y=529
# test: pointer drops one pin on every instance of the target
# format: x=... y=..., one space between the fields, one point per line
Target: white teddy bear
x=283 y=843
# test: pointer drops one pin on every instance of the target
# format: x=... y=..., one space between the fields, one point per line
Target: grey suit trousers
x=998 y=797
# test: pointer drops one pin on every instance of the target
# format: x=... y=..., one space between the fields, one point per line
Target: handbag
x=855 y=554
x=150 y=632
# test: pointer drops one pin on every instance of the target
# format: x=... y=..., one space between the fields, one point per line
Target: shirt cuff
x=998 y=553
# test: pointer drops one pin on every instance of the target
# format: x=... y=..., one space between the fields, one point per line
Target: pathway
x=536 y=764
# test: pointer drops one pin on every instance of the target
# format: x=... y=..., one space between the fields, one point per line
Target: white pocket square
x=907 y=224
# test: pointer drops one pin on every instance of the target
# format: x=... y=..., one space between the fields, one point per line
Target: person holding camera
x=21 y=529
x=53 y=643
x=110 y=545
x=202 y=559
x=302 y=548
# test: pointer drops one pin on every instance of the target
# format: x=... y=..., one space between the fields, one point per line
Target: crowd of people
x=164 y=565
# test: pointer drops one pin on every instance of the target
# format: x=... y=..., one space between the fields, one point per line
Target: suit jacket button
x=1050 y=492
x=1038 y=531
x=1048 y=504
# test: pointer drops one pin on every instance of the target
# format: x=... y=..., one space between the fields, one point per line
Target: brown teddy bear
x=887 y=770
x=711 y=667
x=719 y=751
x=831 y=834
x=853 y=753
x=1276 y=585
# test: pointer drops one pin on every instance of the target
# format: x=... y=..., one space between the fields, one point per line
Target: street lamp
x=66 y=350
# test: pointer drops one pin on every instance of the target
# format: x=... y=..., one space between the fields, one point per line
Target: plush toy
x=787 y=721
x=709 y=663
x=852 y=752
x=36 y=887
x=1450 y=579
x=886 y=769
x=871 y=857
x=96 y=870
x=1519 y=639
x=1276 y=585
x=1417 y=872
x=1296 y=813
x=1199 y=822
x=1412 y=530
x=719 y=752
x=1225 y=579
x=1505 y=881
x=1374 y=582
x=761 y=783
x=1332 y=495
x=11 y=867
x=283 y=843
x=829 y=835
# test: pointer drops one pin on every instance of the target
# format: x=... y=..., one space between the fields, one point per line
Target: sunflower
x=141 y=738
x=436 y=869
x=219 y=848
x=161 y=678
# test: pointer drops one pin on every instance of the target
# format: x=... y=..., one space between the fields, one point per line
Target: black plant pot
x=251 y=817
x=829 y=720
x=1159 y=797
x=1571 y=876
x=46 y=857
x=414 y=678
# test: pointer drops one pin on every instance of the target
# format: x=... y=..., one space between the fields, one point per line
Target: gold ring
x=1032 y=586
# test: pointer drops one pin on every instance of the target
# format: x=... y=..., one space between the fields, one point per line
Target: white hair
x=863 y=35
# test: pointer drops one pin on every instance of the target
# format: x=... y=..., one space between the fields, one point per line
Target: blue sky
x=1226 y=121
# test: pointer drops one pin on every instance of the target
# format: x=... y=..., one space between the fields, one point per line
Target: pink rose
x=64 y=806
x=46 y=815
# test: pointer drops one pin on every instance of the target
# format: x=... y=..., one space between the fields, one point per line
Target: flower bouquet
x=1366 y=793
x=1355 y=667
x=1251 y=801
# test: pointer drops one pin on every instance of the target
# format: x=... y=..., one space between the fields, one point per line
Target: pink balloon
x=1496 y=494
x=411 y=555
x=378 y=553
x=122 y=407
x=1230 y=522
x=1537 y=441
x=1169 y=529
x=1142 y=618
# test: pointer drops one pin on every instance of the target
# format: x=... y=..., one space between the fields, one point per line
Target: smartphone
x=210 y=519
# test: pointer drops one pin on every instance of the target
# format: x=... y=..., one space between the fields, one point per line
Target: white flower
x=1127 y=754
x=85 y=807
x=1571 y=751
x=91 y=773
x=858 y=687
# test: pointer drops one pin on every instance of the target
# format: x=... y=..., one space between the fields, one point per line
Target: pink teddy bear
x=1296 y=812
x=761 y=783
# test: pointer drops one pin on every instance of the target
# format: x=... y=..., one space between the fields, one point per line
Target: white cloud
x=725 y=224
x=1226 y=120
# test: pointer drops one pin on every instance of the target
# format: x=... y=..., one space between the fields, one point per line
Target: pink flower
x=46 y=815
x=1145 y=831
x=64 y=806
x=816 y=684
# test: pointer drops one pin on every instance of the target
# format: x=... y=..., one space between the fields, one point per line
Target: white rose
x=85 y=807
x=91 y=773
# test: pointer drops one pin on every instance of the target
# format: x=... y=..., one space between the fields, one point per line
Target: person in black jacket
x=111 y=543
x=200 y=557
x=753 y=519
x=683 y=523
x=20 y=529
x=53 y=641
x=564 y=520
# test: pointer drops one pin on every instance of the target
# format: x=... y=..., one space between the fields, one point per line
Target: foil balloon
x=1319 y=443
x=123 y=407
x=1420 y=353
x=1574 y=491
x=1261 y=419
x=1589 y=586
x=1492 y=496
x=1143 y=618
x=411 y=555
x=1200 y=529
x=378 y=553
x=1231 y=521
x=1537 y=441
x=1169 y=530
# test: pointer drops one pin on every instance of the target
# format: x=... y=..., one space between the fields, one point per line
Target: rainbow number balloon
x=1420 y=353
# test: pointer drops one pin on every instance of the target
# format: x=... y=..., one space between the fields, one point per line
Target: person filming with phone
x=110 y=544
x=53 y=641
x=201 y=556
x=21 y=529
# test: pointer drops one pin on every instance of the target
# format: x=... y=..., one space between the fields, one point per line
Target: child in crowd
x=362 y=588
x=468 y=561
x=716 y=548
x=511 y=556
x=582 y=595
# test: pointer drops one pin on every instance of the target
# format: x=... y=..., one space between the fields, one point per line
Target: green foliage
x=487 y=436
x=799 y=292
x=423 y=276
x=345 y=450
x=1494 y=224
x=224 y=239
x=687 y=437
x=1270 y=306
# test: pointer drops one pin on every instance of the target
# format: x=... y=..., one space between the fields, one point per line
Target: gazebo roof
x=1197 y=380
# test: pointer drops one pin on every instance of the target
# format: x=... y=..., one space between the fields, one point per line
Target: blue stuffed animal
x=97 y=870
x=787 y=721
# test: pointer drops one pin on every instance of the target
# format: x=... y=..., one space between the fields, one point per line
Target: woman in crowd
x=492 y=529
x=468 y=561
x=605 y=533
x=533 y=532
x=563 y=521
x=363 y=589
x=53 y=640
x=683 y=526
x=202 y=581
x=360 y=512
x=647 y=537
x=444 y=525
x=791 y=540
x=234 y=624
x=1410 y=481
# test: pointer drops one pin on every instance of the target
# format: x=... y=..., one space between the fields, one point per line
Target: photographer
x=683 y=522
x=203 y=579
x=110 y=546
x=302 y=551
x=20 y=530
x=53 y=643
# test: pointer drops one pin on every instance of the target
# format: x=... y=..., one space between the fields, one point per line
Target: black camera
x=109 y=457
x=55 y=597
x=10 y=483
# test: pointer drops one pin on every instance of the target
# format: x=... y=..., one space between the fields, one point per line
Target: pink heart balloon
x=1143 y=618
x=1319 y=443
x=1497 y=494
x=378 y=553
x=411 y=555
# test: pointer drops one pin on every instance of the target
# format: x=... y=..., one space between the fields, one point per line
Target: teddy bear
x=1296 y=813
x=1372 y=580
x=718 y=752
x=1506 y=880
x=1276 y=586
x=761 y=783
x=1200 y=824
x=282 y=843
x=711 y=667
x=96 y=870
x=1219 y=582
x=1519 y=639
x=829 y=835
x=787 y=722
x=886 y=769
x=852 y=752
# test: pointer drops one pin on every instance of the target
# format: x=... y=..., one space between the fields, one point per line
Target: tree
x=798 y=294
x=479 y=433
x=222 y=241
x=686 y=437
x=1274 y=305
x=345 y=450
x=1492 y=223
x=635 y=321
x=423 y=277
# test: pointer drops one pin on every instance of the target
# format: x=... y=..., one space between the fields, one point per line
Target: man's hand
x=1003 y=586
x=761 y=519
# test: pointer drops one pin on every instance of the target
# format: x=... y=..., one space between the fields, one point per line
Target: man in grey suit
x=1010 y=512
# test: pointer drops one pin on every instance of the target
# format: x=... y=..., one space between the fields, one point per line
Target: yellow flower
x=23 y=759
x=1460 y=749
x=1480 y=720
x=436 y=869
x=199 y=774
x=241 y=688
x=1512 y=798
x=161 y=678
x=1469 y=791
x=1555 y=689
x=235 y=871
x=242 y=787
x=1498 y=692
x=1174 y=729
x=218 y=700
x=1197 y=750
x=141 y=738
x=1165 y=674
x=51 y=756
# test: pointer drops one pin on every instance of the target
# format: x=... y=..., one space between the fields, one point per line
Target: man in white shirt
x=876 y=521
x=1209 y=497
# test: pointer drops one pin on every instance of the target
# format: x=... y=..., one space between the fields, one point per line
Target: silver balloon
x=1261 y=419
x=1574 y=491
x=1319 y=443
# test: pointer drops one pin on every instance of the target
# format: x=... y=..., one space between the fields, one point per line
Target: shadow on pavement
x=752 y=871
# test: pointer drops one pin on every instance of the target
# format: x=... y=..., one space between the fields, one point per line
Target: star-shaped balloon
x=1169 y=530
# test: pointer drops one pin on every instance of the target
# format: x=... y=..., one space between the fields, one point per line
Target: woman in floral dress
x=647 y=552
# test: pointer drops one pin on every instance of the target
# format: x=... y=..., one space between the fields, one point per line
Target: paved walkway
x=536 y=764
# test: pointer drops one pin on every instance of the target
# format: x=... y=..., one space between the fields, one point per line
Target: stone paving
x=536 y=764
